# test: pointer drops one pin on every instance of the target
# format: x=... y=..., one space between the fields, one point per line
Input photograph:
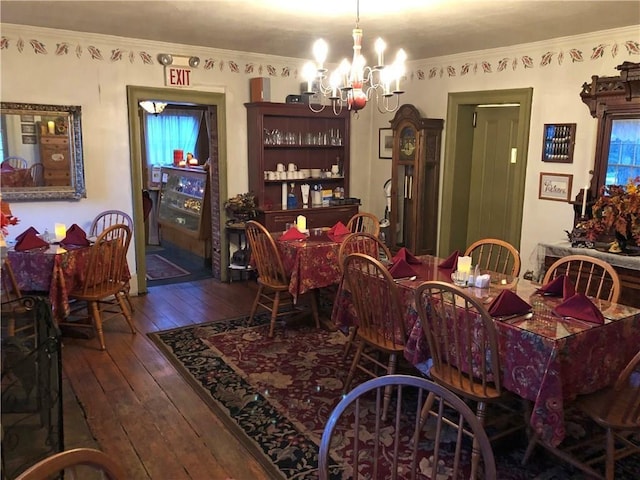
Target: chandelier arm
x=313 y=109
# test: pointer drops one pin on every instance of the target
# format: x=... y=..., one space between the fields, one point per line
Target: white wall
x=93 y=71
x=556 y=99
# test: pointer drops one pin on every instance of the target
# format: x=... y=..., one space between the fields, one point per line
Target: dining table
x=55 y=271
x=312 y=262
x=545 y=359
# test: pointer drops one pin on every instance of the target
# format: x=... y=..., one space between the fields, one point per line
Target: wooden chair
x=10 y=293
x=380 y=320
x=592 y=276
x=76 y=464
x=617 y=410
x=104 y=220
x=37 y=174
x=364 y=222
x=368 y=445
x=463 y=343
x=360 y=242
x=495 y=255
x=18 y=163
x=273 y=282
x=104 y=279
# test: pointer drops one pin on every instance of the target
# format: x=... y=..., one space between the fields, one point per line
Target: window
x=173 y=129
x=623 y=162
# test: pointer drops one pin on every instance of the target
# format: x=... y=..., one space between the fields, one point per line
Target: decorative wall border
x=576 y=55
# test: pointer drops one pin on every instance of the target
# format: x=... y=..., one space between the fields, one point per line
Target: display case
x=290 y=146
x=415 y=179
x=184 y=213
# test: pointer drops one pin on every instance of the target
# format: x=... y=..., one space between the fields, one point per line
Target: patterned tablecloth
x=56 y=270
x=312 y=263
x=544 y=359
x=16 y=178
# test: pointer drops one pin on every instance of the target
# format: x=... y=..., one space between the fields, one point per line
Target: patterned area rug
x=159 y=268
x=277 y=394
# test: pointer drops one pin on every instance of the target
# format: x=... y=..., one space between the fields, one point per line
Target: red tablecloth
x=543 y=359
x=312 y=263
x=56 y=271
x=16 y=178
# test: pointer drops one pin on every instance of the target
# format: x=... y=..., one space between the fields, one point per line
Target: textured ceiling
x=424 y=28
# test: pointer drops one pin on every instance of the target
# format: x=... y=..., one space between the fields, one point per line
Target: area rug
x=159 y=268
x=277 y=394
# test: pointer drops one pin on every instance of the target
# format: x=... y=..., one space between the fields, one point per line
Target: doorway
x=466 y=203
x=217 y=173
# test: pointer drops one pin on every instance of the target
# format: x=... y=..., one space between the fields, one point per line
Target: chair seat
x=463 y=386
x=593 y=403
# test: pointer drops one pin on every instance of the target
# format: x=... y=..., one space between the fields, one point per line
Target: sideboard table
x=628 y=267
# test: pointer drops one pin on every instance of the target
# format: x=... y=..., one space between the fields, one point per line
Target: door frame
x=458 y=147
x=135 y=94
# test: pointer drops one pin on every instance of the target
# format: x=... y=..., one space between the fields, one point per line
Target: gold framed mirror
x=41 y=152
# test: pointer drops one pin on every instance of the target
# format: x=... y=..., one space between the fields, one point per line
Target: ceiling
x=424 y=28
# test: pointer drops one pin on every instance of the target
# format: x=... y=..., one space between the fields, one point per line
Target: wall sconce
x=178 y=60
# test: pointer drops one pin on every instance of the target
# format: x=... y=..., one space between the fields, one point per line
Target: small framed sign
x=385 y=143
x=555 y=186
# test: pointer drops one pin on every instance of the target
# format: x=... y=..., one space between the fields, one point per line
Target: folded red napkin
x=451 y=261
x=579 y=306
x=75 y=236
x=401 y=269
x=30 y=240
x=561 y=286
x=293 y=234
x=28 y=231
x=338 y=229
x=508 y=303
x=407 y=256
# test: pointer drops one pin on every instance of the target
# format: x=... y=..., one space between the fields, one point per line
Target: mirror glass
x=41 y=152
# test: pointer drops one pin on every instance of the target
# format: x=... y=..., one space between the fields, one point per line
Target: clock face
x=407 y=143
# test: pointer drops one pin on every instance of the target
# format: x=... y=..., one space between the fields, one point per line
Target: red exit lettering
x=178 y=77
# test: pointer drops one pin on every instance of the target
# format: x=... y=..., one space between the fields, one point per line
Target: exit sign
x=177 y=76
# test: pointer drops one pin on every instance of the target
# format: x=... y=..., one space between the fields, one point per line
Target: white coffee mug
x=280 y=167
x=292 y=167
x=272 y=175
x=335 y=170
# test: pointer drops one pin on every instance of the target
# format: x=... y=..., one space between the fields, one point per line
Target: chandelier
x=353 y=84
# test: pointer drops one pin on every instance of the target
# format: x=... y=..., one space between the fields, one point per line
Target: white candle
x=301 y=223
x=464 y=264
x=60 y=231
x=52 y=127
x=584 y=201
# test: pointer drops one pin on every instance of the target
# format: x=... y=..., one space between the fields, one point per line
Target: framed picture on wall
x=555 y=186
x=29 y=140
x=385 y=143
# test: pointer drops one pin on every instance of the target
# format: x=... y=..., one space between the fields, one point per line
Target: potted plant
x=617 y=213
x=242 y=207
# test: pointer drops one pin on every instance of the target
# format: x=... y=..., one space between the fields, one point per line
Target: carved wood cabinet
x=415 y=180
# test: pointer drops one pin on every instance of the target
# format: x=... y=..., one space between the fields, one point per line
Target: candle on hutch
x=51 y=127
x=584 y=200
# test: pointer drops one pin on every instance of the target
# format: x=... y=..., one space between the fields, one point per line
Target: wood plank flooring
x=139 y=409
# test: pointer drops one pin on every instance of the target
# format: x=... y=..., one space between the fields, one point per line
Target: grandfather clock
x=415 y=179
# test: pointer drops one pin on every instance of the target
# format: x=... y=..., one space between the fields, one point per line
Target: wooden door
x=496 y=176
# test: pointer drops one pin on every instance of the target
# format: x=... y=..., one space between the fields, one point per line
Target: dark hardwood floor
x=139 y=409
